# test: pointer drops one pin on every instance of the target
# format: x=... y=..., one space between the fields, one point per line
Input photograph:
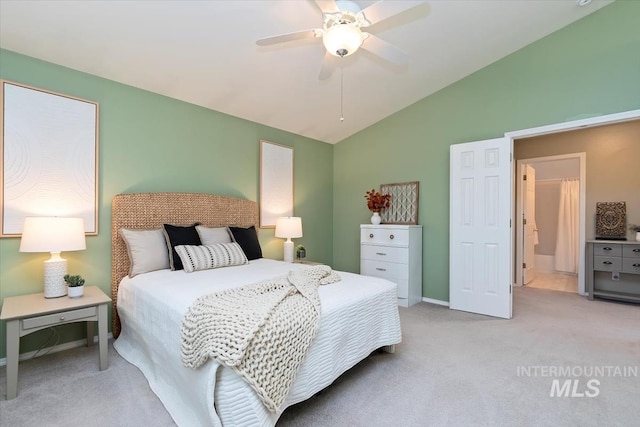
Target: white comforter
x=359 y=315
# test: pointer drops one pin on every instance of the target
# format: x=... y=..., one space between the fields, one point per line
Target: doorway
x=468 y=286
x=550 y=222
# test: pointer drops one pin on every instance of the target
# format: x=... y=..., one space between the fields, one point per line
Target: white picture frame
x=276 y=182
x=49 y=157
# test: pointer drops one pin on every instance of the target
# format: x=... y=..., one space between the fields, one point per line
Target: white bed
x=359 y=315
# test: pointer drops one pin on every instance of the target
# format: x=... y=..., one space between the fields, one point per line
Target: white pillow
x=213 y=236
x=147 y=250
x=205 y=257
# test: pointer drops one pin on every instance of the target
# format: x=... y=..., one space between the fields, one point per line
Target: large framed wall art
x=276 y=183
x=49 y=157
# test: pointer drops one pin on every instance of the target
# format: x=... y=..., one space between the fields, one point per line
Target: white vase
x=75 y=291
x=637 y=236
x=375 y=218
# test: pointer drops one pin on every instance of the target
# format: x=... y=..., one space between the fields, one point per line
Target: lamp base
x=54 y=270
x=288 y=250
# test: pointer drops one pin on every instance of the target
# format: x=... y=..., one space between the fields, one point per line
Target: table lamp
x=54 y=235
x=289 y=226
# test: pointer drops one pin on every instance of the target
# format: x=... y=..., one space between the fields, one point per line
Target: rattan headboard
x=151 y=210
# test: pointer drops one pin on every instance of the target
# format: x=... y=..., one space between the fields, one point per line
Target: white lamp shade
x=342 y=36
x=289 y=227
x=52 y=234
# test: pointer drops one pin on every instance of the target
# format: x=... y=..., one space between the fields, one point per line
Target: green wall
x=149 y=142
x=591 y=67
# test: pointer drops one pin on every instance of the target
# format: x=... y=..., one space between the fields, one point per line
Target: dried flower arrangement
x=377 y=201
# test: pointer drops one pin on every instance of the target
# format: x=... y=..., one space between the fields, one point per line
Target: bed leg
x=389 y=348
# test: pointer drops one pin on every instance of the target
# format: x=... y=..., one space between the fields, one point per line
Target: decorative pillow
x=247 y=238
x=147 y=250
x=196 y=258
x=176 y=235
x=213 y=236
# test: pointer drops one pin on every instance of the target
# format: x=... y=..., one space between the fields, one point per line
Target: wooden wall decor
x=404 y=203
x=611 y=220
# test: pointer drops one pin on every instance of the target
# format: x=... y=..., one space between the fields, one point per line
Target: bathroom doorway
x=549 y=220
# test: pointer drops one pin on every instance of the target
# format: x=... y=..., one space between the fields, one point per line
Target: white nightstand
x=25 y=314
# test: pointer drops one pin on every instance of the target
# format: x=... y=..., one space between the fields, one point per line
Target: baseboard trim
x=435 y=301
x=55 y=349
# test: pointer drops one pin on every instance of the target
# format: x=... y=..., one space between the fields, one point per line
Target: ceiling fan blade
x=283 y=38
x=386 y=51
x=386 y=9
x=327 y=6
x=328 y=66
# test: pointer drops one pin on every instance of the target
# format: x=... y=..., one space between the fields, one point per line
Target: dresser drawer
x=607 y=263
x=386 y=270
x=631 y=251
x=385 y=253
x=607 y=249
x=382 y=236
x=58 y=318
x=630 y=265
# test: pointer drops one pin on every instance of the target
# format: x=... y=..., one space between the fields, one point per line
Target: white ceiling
x=204 y=52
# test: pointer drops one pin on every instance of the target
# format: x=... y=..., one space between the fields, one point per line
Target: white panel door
x=480 y=256
x=529 y=224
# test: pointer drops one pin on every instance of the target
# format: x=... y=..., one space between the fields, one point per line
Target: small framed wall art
x=404 y=203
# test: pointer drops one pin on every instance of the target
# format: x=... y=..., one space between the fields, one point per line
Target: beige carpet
x=452 y=369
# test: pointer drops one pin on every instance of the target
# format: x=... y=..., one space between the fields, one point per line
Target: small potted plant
x=376 y=202
x=75 y=285
x=636 y=228
x=301 y=252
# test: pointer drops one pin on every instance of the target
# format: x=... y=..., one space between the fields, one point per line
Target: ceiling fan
x=342 y=31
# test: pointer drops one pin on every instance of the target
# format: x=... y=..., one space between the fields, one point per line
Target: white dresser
x=394 y=252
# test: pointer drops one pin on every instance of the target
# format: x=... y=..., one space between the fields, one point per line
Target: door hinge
x=510 y=286
x=524 y=177
x=509 y=223
x=524 y=265
x=524 y=221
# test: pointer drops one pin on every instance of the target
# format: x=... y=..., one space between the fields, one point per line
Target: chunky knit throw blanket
x=262 y=331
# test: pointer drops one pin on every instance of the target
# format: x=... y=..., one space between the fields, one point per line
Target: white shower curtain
x=567 y=237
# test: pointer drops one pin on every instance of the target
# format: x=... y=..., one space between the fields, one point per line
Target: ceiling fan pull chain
x=341 y=92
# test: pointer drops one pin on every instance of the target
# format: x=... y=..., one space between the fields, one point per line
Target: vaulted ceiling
x=204 y=52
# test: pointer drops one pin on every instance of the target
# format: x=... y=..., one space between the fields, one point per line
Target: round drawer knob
x=371 y=236
x=61 y=317
x=391 y=236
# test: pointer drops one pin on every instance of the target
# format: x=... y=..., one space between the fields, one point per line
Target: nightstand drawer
x=385 y=253
x=631 y=251
x=607 y=249
x=630 y=265
x=57 y=318
x=607 y=263
x=385 y=236
x=386 y=270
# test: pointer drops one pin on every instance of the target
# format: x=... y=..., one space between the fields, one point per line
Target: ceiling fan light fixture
x=342 y=39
